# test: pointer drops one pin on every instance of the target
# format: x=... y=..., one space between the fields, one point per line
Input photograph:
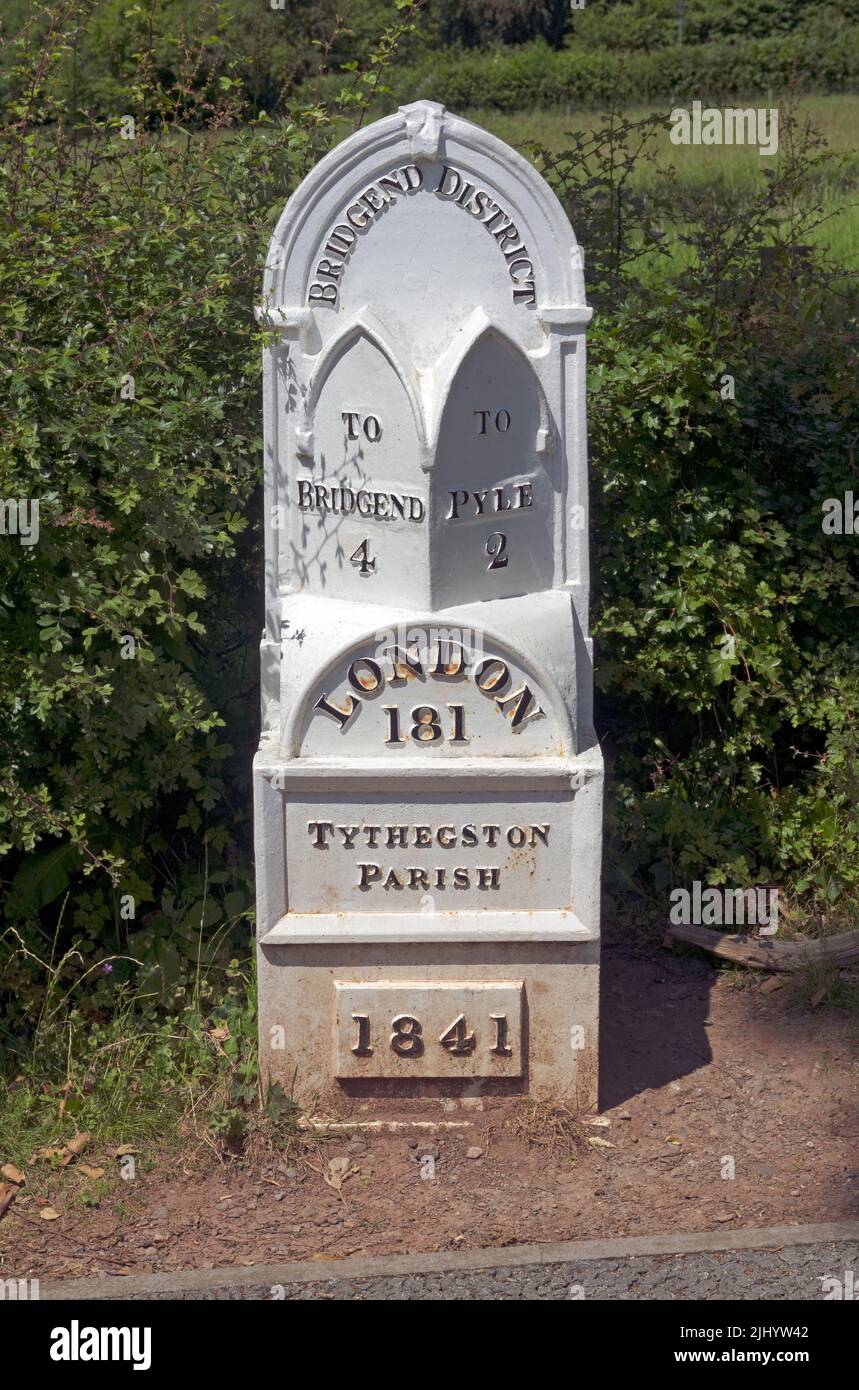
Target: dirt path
x=696 y=1073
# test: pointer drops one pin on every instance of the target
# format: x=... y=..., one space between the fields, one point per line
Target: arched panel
x=493 y=490
x=430 y=691
x=364 y=325
x=368 y=181
x=359 y=498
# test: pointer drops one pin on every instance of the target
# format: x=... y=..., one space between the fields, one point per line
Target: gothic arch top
x=363 y=324
x=477 y=329
x=420 y=140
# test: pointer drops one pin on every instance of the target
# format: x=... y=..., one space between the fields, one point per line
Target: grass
x=837 y=989
x=725 y=171
x=135 y=1075
x=123 y=1082
x=548 y=1125
x=836 y=117
x=98 y=1104
x=809 y=917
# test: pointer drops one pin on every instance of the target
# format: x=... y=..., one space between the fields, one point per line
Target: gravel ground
x=769 y=1275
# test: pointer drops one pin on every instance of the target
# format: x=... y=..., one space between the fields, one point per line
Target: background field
x=726 y=172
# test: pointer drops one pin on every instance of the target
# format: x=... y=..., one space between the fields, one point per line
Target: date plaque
x=448 y=1030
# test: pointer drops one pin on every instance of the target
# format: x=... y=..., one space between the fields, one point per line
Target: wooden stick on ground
x=760 y=953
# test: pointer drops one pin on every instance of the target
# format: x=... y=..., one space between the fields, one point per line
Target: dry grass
x=268 y=1144
x=550 y=1126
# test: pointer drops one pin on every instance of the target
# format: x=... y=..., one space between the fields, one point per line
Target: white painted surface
x=428 y=774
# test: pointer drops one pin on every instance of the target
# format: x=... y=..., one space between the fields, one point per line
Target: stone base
x=494 y=1018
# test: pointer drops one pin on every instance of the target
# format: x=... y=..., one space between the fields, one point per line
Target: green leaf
x=41 y=879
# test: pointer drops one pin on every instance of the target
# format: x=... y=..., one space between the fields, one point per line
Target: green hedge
x=536 y=76
x=614 y=49
x=129 y=409
x=649 y=24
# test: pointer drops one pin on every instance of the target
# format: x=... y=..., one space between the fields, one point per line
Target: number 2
x=496 y=549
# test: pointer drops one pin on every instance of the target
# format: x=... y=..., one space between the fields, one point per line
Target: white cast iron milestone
x=428 y=787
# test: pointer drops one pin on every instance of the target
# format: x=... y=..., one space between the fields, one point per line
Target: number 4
x=362 y=557
x=456 y=1039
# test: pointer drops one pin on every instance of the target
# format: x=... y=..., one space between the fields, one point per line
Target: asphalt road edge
x=235 y=1277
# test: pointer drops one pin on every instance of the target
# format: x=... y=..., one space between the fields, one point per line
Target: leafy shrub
x=446 y=48
x=130 y=411
x=535 y=75
x=265 y=50
x=727 y=663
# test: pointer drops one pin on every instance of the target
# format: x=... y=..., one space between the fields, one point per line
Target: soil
x=700 y=1066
